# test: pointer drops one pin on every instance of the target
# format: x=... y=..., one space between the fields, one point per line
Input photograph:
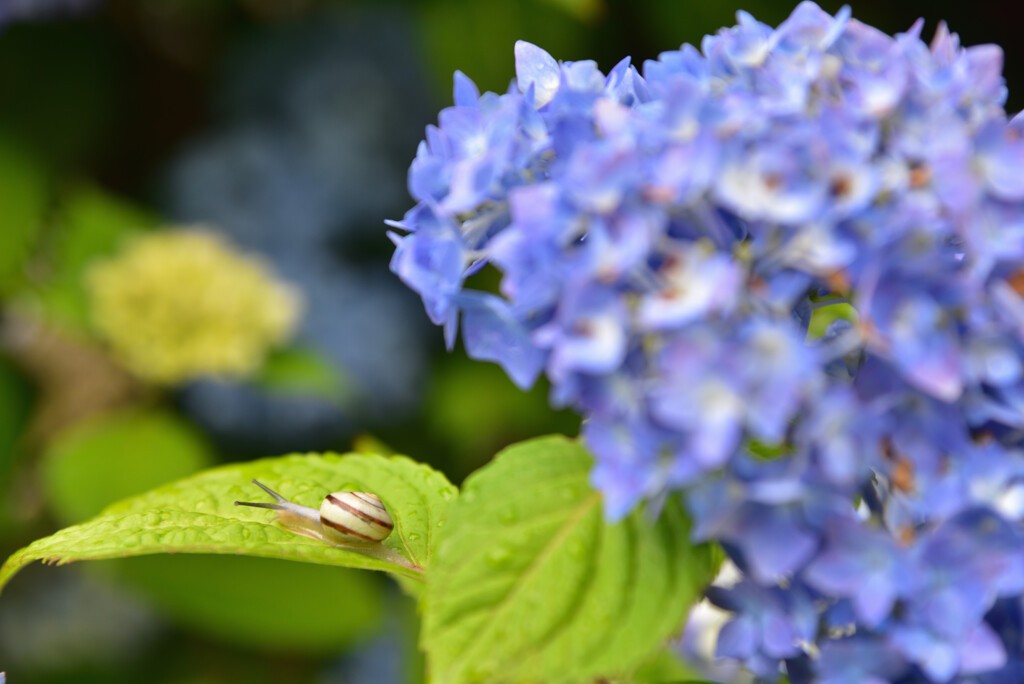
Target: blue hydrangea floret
x=666 y=237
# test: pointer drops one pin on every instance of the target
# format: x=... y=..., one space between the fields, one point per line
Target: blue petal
x=536 y=68
x=491 y=333
x=464 y=92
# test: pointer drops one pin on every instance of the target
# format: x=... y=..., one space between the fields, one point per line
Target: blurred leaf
x=73 y=379
x=15 y=409
x=95 y=223
x=824 y=316
x=91 y=224
x=23 y=203
x=16 y=398
x=366 y=443
x=530 y=583
x=666 y=668
x=197 y=515
x=300 y=370
x=478 y=37
x=586 y=10
x=475 y=409
x=115 y=456
x=410 y=622
x=670 y=24
x=260 y=603
x=766 y=451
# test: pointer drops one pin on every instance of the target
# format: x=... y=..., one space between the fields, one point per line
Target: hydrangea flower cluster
x=664 y=239
x=175 y=305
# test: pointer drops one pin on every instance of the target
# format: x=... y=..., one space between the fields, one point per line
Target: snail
x=344 y=518
x=356 y=521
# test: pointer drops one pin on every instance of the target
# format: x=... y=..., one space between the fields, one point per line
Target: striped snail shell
x=357 y=516
x=344 y=518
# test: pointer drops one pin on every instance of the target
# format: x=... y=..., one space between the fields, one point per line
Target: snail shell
x=344 y=518
x=358 y=516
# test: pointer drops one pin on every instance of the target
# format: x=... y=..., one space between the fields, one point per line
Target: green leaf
x=500 y=413
x=259 y=603
x=367 y=443
x=530 y=583
x=478 y=37
x=312 y=609
x=587 y=10
x=96 y=223
x=825 y=315
x=299 y=370
x=765 y=451
x=198 y=515
x=91 y=224
x=666 y=668
x=117 y=455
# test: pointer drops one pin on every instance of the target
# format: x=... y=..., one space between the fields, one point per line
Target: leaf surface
x=115 y=455
x=259 y=603
x=530 y=583
x=198 y=515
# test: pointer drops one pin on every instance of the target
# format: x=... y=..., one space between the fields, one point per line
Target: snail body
x=343 y=519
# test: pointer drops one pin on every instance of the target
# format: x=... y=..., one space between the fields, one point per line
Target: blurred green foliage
x=256 y=603
x=24 y=195
x=304 y=371
x=93 y=223
x=477 y=37
x=667 y=667
x=824 y=316
x=16 y=397
x=89 y=223
x=114 y=456
x=259 y=603
x=500 y=413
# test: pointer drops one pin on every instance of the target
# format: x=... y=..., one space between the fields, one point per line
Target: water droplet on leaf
x=498 y=557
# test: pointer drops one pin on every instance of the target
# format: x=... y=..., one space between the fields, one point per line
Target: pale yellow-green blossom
x=178 y=304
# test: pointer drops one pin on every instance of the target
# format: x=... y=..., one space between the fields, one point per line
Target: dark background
x=287 y=125
x=141 y=72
